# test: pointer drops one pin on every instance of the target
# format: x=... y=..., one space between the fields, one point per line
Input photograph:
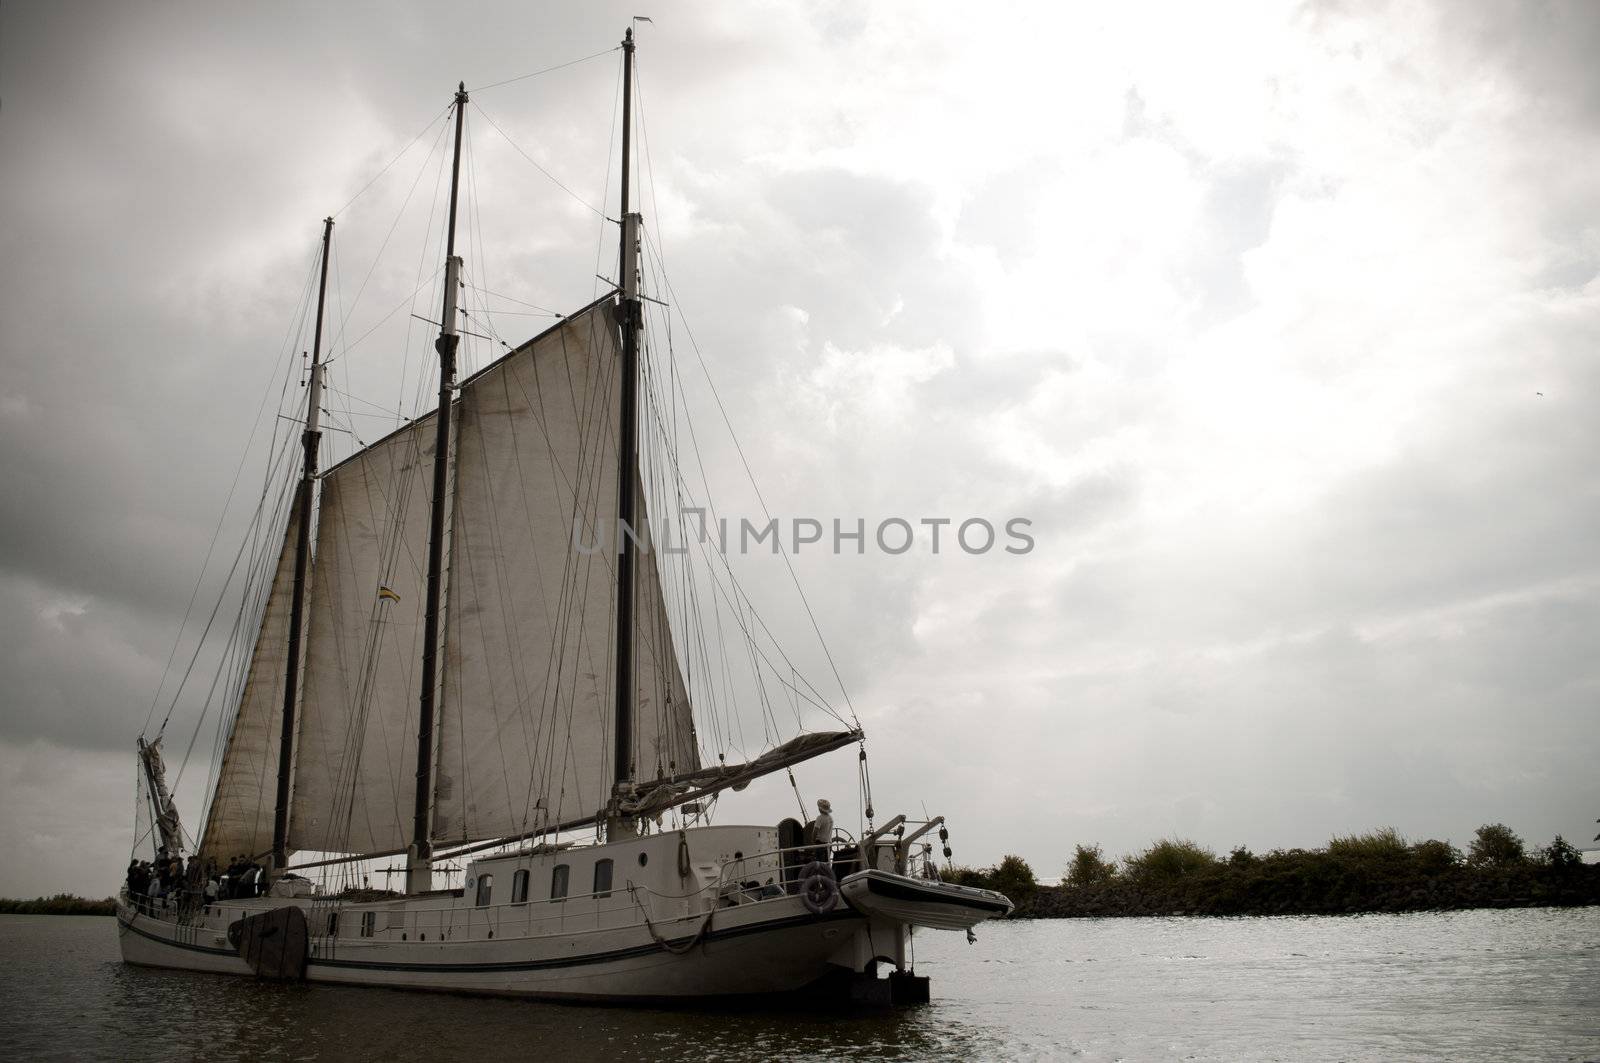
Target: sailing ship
x=530 y=724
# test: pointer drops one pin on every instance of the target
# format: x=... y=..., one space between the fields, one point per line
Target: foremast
x=419 y=872
x=164 y=813
x=631 y=319
x=312 y=441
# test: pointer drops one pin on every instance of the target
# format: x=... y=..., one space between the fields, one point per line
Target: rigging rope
x=222 y=517
x=553 y=178
x=765 y=511
x=679 y=949
x=547 y=70
x=376 y=177
x=548 y=720
x=721 y=408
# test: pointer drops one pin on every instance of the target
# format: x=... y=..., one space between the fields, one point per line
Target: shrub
x=1382 y=844
x=1435 y=857
x=965 y=876
x=1089 y=868
x=1496 y=845
x=1242 y=857
x=60 y=904
x=1014 y=878
x=1169 y=860
x=1560 y=854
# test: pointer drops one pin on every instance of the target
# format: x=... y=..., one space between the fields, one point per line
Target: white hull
x=631 y=943
x=781 y=952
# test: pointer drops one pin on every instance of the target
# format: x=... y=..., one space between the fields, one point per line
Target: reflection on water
x=1461 y=985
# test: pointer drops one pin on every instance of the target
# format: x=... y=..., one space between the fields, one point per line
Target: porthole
x=644 y=858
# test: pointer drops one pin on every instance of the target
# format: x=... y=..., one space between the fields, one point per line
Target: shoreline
x=1037 y=916
x=60 y=904
x=1322 y=888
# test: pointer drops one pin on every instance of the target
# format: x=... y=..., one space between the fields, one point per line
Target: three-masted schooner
x=529 y=664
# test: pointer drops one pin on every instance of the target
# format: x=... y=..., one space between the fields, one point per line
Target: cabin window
x=602 y=878
x=369 y=921
x=333 y=924
x=519 y=887
x=558 y=882
x=644 y=858
x=485 y=889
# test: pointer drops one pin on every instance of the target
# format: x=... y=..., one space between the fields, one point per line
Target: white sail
x=526 y=725
x=240 y=819
x=355 y=753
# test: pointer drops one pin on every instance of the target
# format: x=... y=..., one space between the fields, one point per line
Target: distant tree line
x=1374 y=872
x=60 y=904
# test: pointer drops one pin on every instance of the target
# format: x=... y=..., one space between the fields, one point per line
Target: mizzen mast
x=311 y=440
x=627 y=465
x=419 y=873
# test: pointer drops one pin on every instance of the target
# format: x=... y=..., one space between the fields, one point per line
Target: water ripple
x=1462 y=986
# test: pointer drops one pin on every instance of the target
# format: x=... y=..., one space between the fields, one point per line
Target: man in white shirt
x=822 y=829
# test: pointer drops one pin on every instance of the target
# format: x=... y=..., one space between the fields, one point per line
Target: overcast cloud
x=1278 y=321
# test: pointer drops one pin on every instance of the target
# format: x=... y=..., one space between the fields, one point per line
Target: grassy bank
x=1376 y=872
x=60 y=904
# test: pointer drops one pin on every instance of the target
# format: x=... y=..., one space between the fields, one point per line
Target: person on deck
x=822 y=830
x=138 y=883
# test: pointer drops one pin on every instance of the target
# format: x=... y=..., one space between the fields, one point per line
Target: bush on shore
x=1496 y=845
x=1089 y=867
x=1011 y=876
x=1168 y=861
x=60 y=904
x=1378 y=871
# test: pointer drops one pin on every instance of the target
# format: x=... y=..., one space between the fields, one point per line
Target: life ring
x=819 y=891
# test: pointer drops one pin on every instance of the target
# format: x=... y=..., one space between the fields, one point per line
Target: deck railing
x=762 y=877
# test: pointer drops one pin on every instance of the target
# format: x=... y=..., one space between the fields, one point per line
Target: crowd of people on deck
x=171 y=883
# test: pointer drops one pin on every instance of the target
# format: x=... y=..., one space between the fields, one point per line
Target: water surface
x=1484 y=985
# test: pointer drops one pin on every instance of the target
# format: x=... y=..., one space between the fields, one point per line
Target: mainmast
x=311 y=439
x=627 y=462
x=419 y=873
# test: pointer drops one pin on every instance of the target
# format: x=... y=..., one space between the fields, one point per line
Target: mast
x=627 y=460
x=419 y=874
x=311 y=440
x=169 y=829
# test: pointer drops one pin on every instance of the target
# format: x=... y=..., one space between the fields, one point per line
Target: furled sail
x=355 y=754
x=653 y=798
x=240 y=818
x=526 y=720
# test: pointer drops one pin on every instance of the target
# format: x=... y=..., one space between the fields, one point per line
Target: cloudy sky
x=1278 y=321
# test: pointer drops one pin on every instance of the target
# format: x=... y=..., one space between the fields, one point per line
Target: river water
x=1482 y=985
